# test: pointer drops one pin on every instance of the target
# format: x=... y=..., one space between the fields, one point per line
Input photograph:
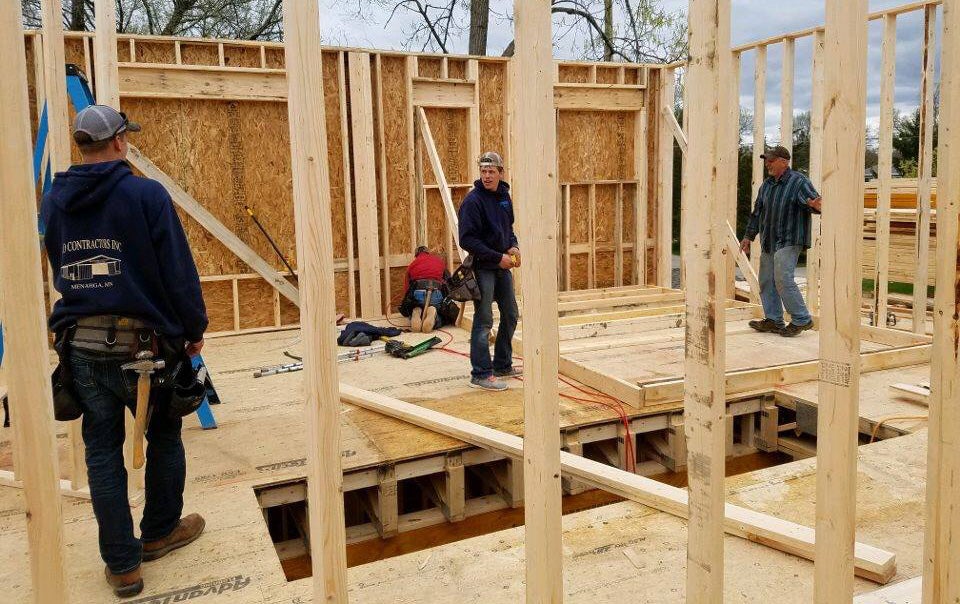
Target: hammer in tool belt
x=145 y=365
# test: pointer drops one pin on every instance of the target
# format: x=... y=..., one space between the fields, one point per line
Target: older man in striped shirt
x=781 y=216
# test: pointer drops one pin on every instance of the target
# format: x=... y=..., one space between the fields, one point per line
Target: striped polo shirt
x=781 y=213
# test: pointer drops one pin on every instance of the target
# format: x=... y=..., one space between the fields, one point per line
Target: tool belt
x=113 y=335
x=463 y=283
x=426 y=284
x=174 y=387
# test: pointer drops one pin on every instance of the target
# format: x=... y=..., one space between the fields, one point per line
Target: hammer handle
x=140 y=420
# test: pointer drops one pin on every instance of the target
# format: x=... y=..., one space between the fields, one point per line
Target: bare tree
x=479 y=21
x=236 y=19
x=608 y=28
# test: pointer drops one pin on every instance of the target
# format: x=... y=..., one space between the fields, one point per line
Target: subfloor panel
x=610 y=552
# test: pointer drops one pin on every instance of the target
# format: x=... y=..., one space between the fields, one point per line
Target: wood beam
x=311 y=195
x=674 y=125
x=106 y=76
x=759 y=134
x=746 y=380
x=888 y=77
x=730 y=145
x=216 y=228
x=668 y=88
x=641 y=204
x=598 y=97
x=845 y=43
x=786 y=93
x=365 y=183
x=795 y=539
x=733 y=249
x=816 y=170
x=107 y=86
x=456 y=94
x=925 y=171
x=534 y=144
x=703 y=241
x=27 y=358
x=941 y=562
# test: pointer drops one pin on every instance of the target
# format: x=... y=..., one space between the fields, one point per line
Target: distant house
x=98 y=266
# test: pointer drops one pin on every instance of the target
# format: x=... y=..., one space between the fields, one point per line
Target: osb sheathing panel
x=156 y=52
x=398 y=286
x=275 y=58
x=218 y=296
x=492 y=108
x=256 y=303
x=395 y=121
x=450 y=131
x=574 y=73
x=241 y=56
x=428 y=67
x=604 y=230
x=628 y=268
x=457 y=69
x=604 y=276
x=595 y=145
x=199 y=54
x=629 y=199
x=335 y=161
x=289 y=313
x=436 y=221
x=579 y=270
x=580 y=214
x=607 y=75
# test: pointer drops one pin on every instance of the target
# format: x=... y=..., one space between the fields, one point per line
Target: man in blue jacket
x=128 y=282
x=486 y=231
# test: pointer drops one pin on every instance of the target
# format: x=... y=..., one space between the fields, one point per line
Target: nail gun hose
x=270 y=239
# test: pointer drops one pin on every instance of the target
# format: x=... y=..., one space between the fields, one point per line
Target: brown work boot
x=125 y=585
x=186 y=532
x=416 y=319
x=429 y=319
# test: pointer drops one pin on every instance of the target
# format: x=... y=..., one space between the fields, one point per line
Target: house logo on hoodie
x=91 y=267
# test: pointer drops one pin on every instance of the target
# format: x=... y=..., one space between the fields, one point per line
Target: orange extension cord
x=605 y=400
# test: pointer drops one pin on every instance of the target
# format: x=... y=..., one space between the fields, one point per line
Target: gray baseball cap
x=102 y=122
x=490 y=159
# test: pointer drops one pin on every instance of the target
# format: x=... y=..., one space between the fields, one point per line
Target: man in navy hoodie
x=121 y=262
x=486 y=231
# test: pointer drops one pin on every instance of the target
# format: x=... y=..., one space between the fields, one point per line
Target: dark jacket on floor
x=117 y=248
x=486 y=224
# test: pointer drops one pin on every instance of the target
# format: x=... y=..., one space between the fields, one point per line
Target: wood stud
x=941 y=562
x=311 y=186
x=845 y=43
x=21 y=281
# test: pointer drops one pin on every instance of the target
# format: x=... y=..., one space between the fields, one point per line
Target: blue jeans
x=495 y=285
x=420 y=295
x=105 y=392
x=778 y=289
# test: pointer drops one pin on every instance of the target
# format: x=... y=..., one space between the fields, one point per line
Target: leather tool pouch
x=66 y=405
x=179 y=390
x=463 y=282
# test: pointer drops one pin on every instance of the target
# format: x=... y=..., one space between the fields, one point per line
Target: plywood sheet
x=256 y=303
x=493 y=107
x=218 y=297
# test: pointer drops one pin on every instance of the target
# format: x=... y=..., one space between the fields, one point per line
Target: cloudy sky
x=343 y=24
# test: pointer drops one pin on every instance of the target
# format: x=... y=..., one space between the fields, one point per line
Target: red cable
x=614 y=405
